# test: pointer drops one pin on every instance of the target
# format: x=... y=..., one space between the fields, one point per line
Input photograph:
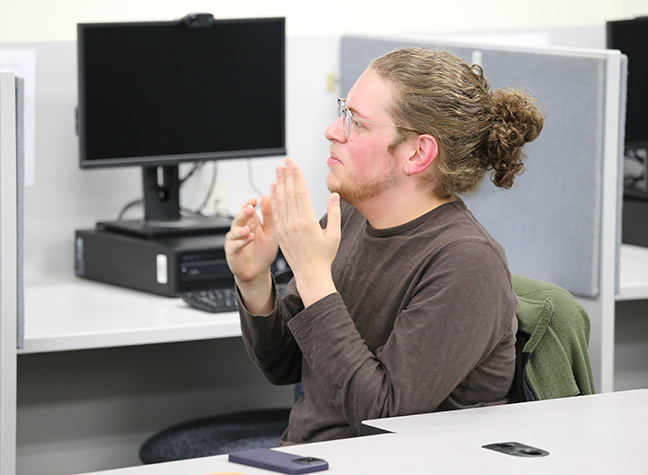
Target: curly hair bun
x=516 y=120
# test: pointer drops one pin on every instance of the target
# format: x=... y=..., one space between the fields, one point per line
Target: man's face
x=360 y=163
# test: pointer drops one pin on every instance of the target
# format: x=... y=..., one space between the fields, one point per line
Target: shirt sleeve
x=268 y=340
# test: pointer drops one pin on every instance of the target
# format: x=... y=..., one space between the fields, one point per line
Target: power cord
x=128 y=206
x=210 y=191
x=251 y=179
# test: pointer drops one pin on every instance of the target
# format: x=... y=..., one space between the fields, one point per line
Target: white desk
x=598 y=434
x=75 y=314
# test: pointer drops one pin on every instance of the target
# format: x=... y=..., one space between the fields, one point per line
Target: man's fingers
x=302 y=197
x=266 y=212
x=250 y=202
x=239 y=237
x=289 y=189
x=246 y=211
x=280 y=209
x=240 y=232
x=333 y=218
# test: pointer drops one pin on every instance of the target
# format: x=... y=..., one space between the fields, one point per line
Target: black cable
x=127 y=207
x=198 y=166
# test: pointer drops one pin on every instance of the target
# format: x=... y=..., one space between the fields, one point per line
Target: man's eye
x=357 y=123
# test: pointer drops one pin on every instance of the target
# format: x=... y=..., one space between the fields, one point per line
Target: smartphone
x=278 y=461
x=517 y=449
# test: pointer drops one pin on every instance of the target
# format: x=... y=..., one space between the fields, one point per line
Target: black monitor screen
x=160 y=93
x=631 y=38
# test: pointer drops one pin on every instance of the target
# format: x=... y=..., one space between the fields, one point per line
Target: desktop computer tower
x=166 y=266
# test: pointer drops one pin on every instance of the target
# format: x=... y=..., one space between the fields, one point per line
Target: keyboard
x=213 y=300
x=218 y=300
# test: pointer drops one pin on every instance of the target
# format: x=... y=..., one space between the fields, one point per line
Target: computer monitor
x=157 y=94
x=631 y=38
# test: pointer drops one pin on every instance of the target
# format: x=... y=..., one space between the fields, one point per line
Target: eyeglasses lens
x=344 y=113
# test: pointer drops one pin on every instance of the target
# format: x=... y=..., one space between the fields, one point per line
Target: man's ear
x=425 y=151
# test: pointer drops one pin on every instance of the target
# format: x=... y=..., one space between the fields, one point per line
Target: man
x=401 y=302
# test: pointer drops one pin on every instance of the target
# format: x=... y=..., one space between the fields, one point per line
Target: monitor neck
x=161 y=186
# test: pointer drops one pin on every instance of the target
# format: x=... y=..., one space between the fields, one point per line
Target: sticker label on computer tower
x=162 y=269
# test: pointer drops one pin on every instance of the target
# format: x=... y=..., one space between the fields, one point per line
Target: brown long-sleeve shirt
x=423 y=320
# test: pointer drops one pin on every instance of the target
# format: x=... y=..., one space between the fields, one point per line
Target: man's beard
x=354 y=194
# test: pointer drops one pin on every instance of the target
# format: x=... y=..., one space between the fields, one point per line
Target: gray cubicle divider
x=8 y=272
x=550 y=222
x=20 y=210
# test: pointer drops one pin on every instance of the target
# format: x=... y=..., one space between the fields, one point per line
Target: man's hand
x=307 y=247
x=250 y=249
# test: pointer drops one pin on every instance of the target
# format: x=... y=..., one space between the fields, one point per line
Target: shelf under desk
x=75 y=314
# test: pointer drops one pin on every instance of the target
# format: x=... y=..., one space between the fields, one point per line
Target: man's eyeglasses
x=348 y=119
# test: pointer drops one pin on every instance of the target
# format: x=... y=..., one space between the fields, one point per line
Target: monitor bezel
x=174 y=159
x=610 y=30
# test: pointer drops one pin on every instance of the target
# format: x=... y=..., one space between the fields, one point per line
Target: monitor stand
x=162 y=210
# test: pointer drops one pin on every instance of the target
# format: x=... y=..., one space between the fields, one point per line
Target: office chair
x=217 y=435
x=552 y=358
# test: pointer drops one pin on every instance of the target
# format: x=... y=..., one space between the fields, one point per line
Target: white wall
x=44 y=20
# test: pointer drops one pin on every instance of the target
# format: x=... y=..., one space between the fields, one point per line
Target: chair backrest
x=552 y=358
